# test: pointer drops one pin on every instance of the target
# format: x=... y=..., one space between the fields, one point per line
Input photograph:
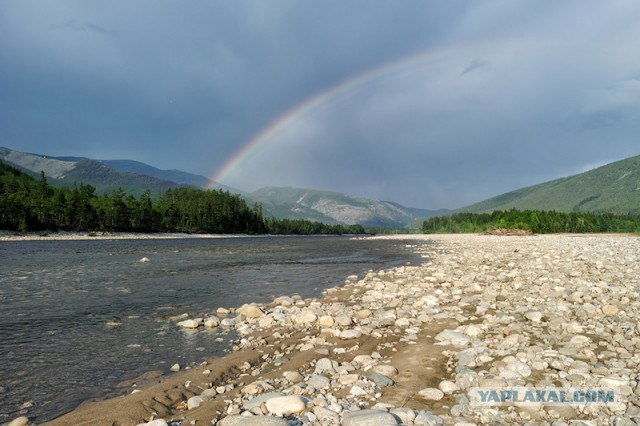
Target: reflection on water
x=79 y=317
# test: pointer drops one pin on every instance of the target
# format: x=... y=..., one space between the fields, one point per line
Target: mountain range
x=293 y=203
x=614 y=188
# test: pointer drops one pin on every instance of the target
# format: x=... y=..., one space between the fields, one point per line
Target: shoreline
x=95 y=236
x=410 y=341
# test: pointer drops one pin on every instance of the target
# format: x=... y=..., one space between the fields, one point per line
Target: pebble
x=319 y=382
x=428 y=419
x=255 y=402
x=385 y=370
x=212 y=322
x=238 y=420
x=190 y=323
x=368 y=418
x=432 y=394
x=20 y=421
x=284 y=405
x=293 y=376
x=250 y=311
x=175 y=367
x=406 y=415
x=380 y=380
x=304 y=317
x=519 y=311
x=448 y=387
x=350 y=334
x=157 y=422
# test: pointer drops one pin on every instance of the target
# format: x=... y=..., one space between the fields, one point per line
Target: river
x=57 y=298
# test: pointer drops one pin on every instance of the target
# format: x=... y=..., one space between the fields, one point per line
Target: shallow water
x=56 y=298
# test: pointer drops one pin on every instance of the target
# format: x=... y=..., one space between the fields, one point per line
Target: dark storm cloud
x=501 y=93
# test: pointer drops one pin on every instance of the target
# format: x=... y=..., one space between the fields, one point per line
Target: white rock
x=430 y=300
x=428 y=419
x=453 y=337
x=291 y=404
x=266 y=321
x=319 y=382
x=613 y=382
x=326 y=321
x=20 y=421
x=350 y=334
x=194 y=402
x=250 y=311
x=175 y=367
x=283 y=300
x=432 y=394
x=145 y=260
x=293 y=376
x=157 y=422
x=448 y=386
x=325 y=364
x=326 y=414
x=343 y=320
x=362 y=314
x=535 y=316
x=385 y=370
x=402 y=323
x=406 y=415
x=357 y=391
x=212 y=322
x=368 y=418
x=304 y=317
x=190 y=323
x=239 y=420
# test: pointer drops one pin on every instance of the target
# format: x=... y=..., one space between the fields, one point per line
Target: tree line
x=28 y=204
x=537 y=221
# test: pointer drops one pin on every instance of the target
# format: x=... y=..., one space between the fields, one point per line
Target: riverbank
x=408 y=344
x=84 y=236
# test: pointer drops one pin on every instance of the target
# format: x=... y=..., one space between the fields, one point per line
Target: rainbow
x=345 y=87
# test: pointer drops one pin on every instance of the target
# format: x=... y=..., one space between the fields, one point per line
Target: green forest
x=541 y=222
x=28 y=205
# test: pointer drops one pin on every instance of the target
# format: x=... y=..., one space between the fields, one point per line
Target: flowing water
x=56 y=298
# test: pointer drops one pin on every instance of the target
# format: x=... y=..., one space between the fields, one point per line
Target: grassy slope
x=611 y=188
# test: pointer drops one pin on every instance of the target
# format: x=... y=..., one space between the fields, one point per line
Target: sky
x=431 y=104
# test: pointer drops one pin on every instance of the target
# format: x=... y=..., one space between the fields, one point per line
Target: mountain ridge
x=290 y=203
x=612 y=188
x=335 y=207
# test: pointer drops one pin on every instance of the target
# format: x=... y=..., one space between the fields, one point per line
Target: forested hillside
x=613 y=188
x=28 y=204
x=533 y=220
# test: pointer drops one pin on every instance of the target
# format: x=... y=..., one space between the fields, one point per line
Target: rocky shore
x=407 y=345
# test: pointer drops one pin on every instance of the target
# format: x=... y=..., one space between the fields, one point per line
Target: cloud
x=73 y=25
x=618 y=102
x=476 y=64
x=474 y=98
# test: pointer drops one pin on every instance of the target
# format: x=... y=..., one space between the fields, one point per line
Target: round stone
x=350 y=334
x=448 y=386
x=385 y=370
x=432 y=394
x=291 y=404
x=250 y=311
